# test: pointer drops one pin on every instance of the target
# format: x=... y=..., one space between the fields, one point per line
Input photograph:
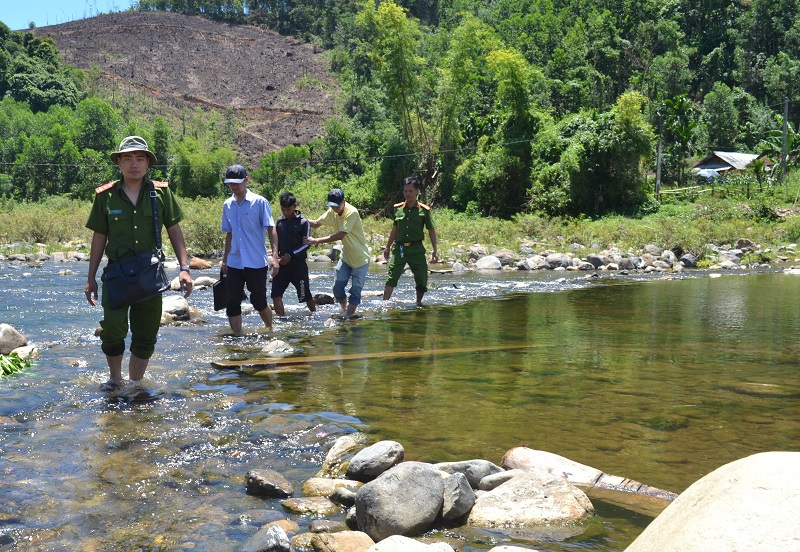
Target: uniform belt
x=409 y=244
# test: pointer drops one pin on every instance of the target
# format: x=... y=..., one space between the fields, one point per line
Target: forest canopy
x=502 y=106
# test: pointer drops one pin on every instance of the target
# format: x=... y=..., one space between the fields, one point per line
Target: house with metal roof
x=723 y=161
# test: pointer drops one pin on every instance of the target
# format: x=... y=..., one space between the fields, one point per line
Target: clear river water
x=657 y=378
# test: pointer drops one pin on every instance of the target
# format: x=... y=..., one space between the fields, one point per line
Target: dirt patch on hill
x=277 y=86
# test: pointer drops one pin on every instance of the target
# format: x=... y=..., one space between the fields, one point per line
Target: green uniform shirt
x=411 y=222
x=128 y=227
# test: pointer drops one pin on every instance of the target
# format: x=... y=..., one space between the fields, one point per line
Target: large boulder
x=533 y=499
x=10 y=339
x=406 y=500
x=750 y=504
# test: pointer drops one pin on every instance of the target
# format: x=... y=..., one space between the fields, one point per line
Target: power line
x=304 y=163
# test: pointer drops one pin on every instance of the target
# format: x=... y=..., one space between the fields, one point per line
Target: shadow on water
x=659 y=381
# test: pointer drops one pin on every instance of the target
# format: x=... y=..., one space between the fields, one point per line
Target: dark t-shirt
x=290 y=236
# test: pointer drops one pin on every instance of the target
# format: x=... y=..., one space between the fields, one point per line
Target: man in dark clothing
x=292 y=228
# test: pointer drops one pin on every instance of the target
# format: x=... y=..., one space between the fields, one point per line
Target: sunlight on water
x=657 y=380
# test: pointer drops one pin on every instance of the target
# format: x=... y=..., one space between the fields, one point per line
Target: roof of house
x=725 y=160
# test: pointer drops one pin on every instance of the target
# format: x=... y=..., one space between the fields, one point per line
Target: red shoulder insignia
x=426 y=207
x=158 y=184
x=401 y=204
x=104 y=187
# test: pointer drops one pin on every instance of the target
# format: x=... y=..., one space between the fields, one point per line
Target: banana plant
x=772 y=145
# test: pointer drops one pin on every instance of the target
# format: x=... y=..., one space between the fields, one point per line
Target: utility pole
x=784 y=152
x=658 y=158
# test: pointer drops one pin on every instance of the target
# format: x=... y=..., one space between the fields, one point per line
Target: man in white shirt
x=247 y=222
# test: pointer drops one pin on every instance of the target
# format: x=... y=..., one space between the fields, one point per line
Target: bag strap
x=156 y=225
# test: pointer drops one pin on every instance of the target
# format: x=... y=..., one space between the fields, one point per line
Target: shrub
x=56 y=219
x=202 y=226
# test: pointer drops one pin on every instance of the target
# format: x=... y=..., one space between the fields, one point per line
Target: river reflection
x=659 y=381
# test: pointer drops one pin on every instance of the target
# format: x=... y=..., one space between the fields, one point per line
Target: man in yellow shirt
x=354 y=263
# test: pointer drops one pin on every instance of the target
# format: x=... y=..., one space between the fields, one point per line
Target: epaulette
x=401 y=204
x=104 y=187
x=158 y=184
x=426 y=207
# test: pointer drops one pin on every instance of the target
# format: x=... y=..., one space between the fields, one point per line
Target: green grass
x=690 y=224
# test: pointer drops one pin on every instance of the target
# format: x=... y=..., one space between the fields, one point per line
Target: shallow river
x=660 y=379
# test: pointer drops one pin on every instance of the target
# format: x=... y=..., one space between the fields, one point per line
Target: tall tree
x=720 y=118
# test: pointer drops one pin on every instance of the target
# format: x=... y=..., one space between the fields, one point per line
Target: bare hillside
x=278 y=87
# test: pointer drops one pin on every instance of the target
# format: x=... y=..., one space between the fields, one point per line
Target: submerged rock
x=268 y=539
x=268 y=483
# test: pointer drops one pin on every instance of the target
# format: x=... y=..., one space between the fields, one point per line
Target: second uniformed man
x=405 y=246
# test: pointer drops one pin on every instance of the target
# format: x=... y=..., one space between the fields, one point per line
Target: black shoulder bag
x=135 y=279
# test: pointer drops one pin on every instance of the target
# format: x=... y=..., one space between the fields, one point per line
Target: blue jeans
x=345 y=272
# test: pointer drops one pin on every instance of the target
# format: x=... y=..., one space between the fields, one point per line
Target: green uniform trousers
x=145 y=320
x=414 y=257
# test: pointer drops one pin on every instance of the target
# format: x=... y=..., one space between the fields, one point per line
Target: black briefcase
x=220 y=289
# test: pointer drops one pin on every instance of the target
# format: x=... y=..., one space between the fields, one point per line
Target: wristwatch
x=184 y=268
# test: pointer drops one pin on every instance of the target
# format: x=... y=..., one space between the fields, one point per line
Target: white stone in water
x=490 y=262
x=277 y=347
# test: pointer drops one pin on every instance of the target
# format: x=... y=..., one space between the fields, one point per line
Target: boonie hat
x=335 y=197
x=236 y=174
x=134 y=143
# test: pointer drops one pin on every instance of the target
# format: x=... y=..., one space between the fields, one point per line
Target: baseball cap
x=235 y=174
x=335 y=198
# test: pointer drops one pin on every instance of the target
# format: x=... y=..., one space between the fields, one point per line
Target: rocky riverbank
x=369 y=499
x=743 y=253
x=651 y=258
x=373 y=500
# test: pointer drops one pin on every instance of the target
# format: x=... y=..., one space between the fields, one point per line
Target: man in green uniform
x=411 y=218
x=122 y=222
